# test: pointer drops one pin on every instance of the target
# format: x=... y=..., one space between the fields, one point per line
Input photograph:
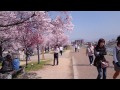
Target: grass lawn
x=68 y=47
x=34 y=66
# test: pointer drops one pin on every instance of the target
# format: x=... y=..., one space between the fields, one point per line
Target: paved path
x=62 y=71
x=82 y=69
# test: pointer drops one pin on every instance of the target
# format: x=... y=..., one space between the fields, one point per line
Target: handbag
x=104 y=64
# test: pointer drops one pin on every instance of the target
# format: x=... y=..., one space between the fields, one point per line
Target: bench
x=11 y=74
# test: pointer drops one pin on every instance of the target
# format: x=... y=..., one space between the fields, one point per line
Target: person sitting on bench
x=6 y=65
x=15 y=63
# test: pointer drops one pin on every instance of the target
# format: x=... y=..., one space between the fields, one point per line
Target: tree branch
x=4 y=29
x=17 y=23
x=3 y=50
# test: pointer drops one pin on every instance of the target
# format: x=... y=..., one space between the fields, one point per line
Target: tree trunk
x=43 y=53
x=26 y=58
x=38 y=54
x=1 y=51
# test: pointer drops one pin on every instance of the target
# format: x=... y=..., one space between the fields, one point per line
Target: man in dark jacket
x=7 y=65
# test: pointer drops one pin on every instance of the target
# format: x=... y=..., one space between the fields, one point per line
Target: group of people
x=46 y=49
x=99 y=53
x=25 y=54
x=57 y=50
x=10 y=64
x=77 y=48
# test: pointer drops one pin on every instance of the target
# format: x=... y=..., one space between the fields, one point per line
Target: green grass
x=0 y=64
x=68 y=47
x=35 y=66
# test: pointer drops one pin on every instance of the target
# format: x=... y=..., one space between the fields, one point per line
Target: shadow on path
x=89 y=65
x=111 y=67
x=48 y=64
x=81 y=65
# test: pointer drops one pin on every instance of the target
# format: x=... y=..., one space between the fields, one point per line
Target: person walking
x=116 y=58
x=56 y=53
x=45 y=49
x=48 y=49
x=76 y=48
x=22 y=54
x=61 y=50
x=28 y=54
x=90 y=53
x=99 y=52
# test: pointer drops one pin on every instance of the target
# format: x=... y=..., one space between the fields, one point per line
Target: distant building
x=79 y=42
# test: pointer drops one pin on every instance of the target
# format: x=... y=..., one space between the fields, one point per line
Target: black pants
x=61 y=52
x=75 y=49
x=91 y=58
x=55 y=58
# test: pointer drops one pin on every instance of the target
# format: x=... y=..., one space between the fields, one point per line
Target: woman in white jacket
x=22 y=55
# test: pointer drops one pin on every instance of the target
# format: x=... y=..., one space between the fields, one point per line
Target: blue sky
x=92 y=25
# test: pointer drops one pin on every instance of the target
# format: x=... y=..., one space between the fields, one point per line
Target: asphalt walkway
x=62 y=71
x=82 y=69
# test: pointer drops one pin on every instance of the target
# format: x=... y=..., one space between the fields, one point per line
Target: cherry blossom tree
x=61 y=39
x=9 y=19
x=28 y=37
x=30 y=28
x=61 y=25
x=12 y=18
x=30 y=33
x=58 y=26
x=7 y=40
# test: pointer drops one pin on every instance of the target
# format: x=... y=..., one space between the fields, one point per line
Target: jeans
x=91 y=58
x=101 y=72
